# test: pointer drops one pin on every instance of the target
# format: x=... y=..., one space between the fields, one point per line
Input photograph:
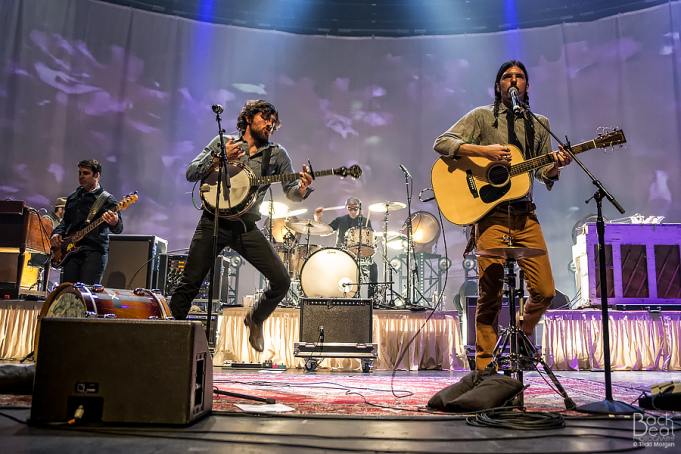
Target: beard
x=260 y=135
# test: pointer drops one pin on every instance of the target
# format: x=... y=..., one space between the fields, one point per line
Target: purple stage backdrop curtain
x=132 y=88
x=639 y=340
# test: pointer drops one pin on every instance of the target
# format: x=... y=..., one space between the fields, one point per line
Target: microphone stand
x=607 y=406
x=410 y=247
x=359 y=253
x=222 y=169
x=222 y=161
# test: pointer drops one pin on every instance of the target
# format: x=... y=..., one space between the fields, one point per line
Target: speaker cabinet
x=344 y=320
x=122 y=371
x=133 y=261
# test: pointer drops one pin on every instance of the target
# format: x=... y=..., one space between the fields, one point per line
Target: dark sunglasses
x=353 y=208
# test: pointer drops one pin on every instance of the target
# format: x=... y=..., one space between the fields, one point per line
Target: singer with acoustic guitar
x=492 y=132
x=251 y=149
x=88 y=262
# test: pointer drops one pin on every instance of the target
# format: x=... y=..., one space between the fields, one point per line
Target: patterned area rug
x=368 y=394
x=360 y=394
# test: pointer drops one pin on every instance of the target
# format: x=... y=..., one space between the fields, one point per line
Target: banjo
x=245 y=184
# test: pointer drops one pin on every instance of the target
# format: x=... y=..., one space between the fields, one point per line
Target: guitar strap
x=529 y=136
x=97 y=206
x=266 y=161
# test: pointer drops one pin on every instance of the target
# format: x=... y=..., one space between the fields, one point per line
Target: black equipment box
x=134 y=261
x=336 y=320
x=122 y=371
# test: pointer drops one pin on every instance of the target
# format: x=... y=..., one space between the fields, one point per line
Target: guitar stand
x=523 y=354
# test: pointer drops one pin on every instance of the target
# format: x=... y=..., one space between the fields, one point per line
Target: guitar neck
x=546 y=159
x=81 y=233
x=259 y=181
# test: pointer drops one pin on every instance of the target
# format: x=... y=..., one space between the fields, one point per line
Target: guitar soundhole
x=497 y=174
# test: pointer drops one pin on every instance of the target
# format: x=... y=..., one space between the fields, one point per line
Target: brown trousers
x=490 y=233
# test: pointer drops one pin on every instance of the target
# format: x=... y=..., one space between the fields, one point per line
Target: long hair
x=254 y=107
x=497 y=95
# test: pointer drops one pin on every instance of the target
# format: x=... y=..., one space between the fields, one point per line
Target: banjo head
x=232 y=201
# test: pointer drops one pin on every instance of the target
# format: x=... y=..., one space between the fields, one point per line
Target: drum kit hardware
x=339 y=272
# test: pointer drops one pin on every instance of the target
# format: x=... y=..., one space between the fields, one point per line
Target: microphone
x=406 y=172
x=513 y=92
x=217 y=108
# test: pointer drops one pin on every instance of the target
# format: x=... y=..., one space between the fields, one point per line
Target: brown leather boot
x=255 y=337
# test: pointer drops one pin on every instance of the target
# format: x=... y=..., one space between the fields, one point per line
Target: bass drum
x=298 y=257
x=79 y=300
x=329 y=273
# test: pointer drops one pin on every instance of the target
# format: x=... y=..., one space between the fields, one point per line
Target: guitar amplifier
x=134 y=261
x=171 y=270
x=336 y=320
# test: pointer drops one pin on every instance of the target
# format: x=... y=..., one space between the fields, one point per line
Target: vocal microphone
x=513 y=92
x=406 y=172
x=217 y=108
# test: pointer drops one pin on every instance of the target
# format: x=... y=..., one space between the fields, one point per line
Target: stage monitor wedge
x=122 y=371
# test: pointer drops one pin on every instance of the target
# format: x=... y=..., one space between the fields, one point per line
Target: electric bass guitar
x=68 y=246
x=244 y=186
x=468 y=188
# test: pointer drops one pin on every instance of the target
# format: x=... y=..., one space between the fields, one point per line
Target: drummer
x=342 y=224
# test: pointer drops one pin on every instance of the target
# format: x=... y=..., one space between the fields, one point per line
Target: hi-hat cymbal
x=279 y=210
x=512 y=252
x=382 y=207
x=309 y=226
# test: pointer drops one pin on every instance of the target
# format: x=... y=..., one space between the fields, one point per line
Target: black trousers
x=251 y=244
x=86 y=266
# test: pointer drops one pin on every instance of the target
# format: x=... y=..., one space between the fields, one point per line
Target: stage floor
x=393 y=431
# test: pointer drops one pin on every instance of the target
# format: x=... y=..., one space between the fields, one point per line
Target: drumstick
x=342 y=207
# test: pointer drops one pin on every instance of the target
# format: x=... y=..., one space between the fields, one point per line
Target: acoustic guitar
x=68 y=246
x=468 y=188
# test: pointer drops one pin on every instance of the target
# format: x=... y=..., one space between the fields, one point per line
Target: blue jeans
x=251 y=244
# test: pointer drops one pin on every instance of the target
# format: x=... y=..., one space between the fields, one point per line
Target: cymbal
x=382 y=207
x=380 y=235
x=309 y=226
x=296 y=212
x=279 y=210
x=512 y=252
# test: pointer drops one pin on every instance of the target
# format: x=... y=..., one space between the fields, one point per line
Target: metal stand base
x=523 y=356
x=611 y=407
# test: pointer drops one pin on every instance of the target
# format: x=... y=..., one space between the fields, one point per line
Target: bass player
x=88 y=263
x=483 y=132
x=251 y=146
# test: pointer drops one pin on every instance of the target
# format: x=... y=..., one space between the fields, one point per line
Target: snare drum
x=298 y=257
x=328 y=273
x=79 y=300
x=352 y=241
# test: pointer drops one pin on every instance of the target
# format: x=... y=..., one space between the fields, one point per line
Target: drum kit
x=328 y=272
